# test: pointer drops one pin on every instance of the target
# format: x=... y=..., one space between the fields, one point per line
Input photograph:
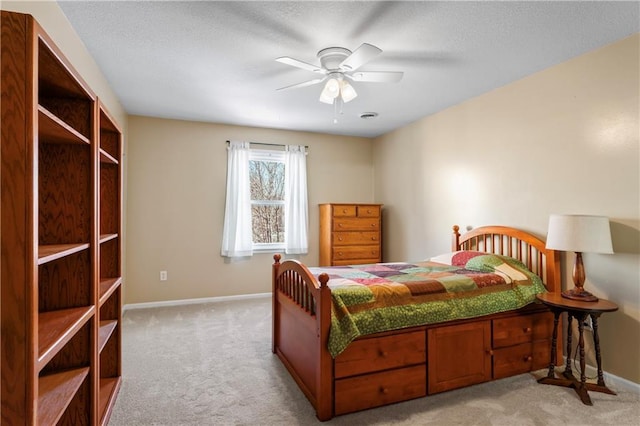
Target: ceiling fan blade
x=304 y=84
x=360 y=56
x=299 y=64
x=376 y=76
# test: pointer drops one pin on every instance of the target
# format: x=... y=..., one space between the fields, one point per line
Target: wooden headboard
x=515 y=243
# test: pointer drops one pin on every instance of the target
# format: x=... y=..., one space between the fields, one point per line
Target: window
x=266 y=181
x=266 y=201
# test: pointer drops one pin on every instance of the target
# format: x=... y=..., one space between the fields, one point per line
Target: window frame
x=267 y=155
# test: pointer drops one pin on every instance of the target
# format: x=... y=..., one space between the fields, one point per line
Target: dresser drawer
x=355 y=238
x=373 y=390
x=344 y=210
x=381 y=353
x=356 y=224
x=355 y=262
x=368 y=211
x=356 y=252
x=512 y=331
x=512 y=360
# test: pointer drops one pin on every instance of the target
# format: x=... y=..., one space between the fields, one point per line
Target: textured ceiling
x=215 y=61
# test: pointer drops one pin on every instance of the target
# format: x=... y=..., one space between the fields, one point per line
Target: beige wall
x=176 y=195
x=564 y=140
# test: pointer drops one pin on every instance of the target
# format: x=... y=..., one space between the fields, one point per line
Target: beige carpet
x=211 y=364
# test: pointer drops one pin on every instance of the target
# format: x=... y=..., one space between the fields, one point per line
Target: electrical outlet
x=163 y=275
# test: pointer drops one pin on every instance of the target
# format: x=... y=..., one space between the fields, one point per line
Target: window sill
x=268 y=249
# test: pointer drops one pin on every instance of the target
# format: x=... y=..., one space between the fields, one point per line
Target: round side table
x=580 y=311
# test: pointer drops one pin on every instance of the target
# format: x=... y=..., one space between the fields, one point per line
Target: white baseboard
x=611 y=380
x=146 y=305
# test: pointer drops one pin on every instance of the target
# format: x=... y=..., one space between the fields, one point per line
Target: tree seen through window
x=267 y=201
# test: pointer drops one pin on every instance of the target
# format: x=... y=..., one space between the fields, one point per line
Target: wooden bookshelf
x=110 y=273
x=61 y=237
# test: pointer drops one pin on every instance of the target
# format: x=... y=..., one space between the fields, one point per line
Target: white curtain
x=296 y=220
x=237 y=232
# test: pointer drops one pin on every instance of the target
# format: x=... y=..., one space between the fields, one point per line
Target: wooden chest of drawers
x=350 y=234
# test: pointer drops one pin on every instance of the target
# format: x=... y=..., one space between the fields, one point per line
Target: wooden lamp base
x=578 y=292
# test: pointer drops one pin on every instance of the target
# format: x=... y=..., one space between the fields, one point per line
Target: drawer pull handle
x=384 y=390
x=527 y=329
x=528 y=358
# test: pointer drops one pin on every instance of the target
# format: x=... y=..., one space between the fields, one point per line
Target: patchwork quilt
x=388 y=296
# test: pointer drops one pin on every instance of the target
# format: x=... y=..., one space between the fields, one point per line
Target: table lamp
x=580 y=234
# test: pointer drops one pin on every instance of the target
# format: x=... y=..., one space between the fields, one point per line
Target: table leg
x=550 y=378
x=554 y=343
x=600 y=387
x=581 y=387
x=583 y=374
x=596 y=342
x=567 y=369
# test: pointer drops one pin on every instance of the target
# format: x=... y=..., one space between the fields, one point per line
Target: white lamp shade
x=326 y=99
x=330 y=92
x=579 y=233
x=347 y=91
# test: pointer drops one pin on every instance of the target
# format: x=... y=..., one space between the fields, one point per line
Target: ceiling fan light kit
x=337 y=86
x=338 y=64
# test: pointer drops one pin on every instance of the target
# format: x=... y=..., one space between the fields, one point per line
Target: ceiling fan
x=337 y=66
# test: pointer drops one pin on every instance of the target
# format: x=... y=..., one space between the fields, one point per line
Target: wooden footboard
x=403 y=364
x=301 y=321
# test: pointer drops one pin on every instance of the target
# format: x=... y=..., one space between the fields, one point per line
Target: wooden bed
x=399 y=365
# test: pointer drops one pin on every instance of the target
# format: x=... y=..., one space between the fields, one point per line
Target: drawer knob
x=339 y=238
x=344 y=210
x=527 y=329
x=384 y=354
x=339 y=253
x=490 y=352
x=384 y=390
x=373 y=225
x=340 y=225
x=368 y=210
x=528 y=358
x=373 y=238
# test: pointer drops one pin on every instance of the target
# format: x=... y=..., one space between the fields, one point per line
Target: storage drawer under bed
x=381 y=353
x=376 y=389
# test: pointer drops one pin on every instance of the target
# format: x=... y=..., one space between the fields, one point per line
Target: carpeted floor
x=211 y=364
